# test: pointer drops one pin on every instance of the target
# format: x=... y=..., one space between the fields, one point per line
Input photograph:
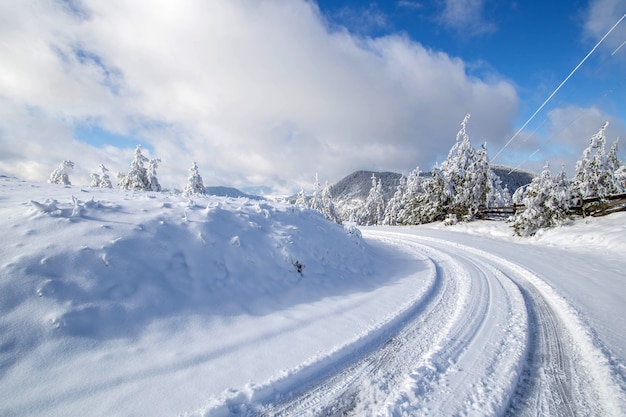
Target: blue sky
x=269 y=93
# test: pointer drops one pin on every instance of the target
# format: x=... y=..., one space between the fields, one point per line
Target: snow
x=116 y=302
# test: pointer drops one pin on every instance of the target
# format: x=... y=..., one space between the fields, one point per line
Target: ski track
x=488 y=338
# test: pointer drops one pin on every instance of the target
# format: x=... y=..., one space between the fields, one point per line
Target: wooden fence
x=594 y=207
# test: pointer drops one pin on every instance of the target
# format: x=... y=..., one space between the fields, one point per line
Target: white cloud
x=410 y=4
x=466 y=17
x=561 y=138
x=601 y=16
x=255 y=92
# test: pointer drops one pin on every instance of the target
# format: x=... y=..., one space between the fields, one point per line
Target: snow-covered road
x=490 y=337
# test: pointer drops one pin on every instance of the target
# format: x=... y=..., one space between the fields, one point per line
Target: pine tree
x=394 y=206
x=412 y=198
x=102 y=179
x=617 y=169
x=472 y=182
x=560 y=197
x=95 y=180
x=431 y=205
x=596 y=171
x=328 y=206
x=301 y=199
x=485 y=184
x=153 y=182
x=455 y=169
x=547 y=202
x=60 y=175
x=373 y=209
x=137 y=176
x=379 y=202
x=620 y=178
x=195 y=185
x=315 y=203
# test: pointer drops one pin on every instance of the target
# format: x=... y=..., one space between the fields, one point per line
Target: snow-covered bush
x=60 y=175
x=102 y=179
x=195 y=185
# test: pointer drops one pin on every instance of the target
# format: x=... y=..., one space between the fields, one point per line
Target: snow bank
x=97 y=258
x=590 y=234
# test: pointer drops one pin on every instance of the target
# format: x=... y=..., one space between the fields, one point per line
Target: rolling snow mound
x=105 y=263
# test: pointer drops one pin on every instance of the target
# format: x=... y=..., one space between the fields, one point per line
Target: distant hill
x=358 y=184
x=222 y=191
x=350 y=192
x=513 y=178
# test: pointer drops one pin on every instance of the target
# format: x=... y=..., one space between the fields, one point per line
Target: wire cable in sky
x=559 y=87
x=521 y=163
x=619 y=47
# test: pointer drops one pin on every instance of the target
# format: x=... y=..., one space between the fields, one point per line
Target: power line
x=559 y=87
x=522 y=163
x=618 y=48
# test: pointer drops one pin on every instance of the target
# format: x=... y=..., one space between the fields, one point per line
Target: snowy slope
x=130 y=303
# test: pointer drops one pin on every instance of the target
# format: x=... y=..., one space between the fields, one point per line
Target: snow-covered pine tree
x=485 y=184
x=61 y=175
x=105 y=180
x=478 y=183
x=373 y=209
x=95 y=180
x=153 y=182
x=518 y=195
x=137 y=176
x=315 y=203
x=431 y=205
x=596 y=171
x=394 y=206
x=102 y=179
x=412 y=198
x=560 y=197
x=328 y=206
x=547 y=202
x=617 y=169
x=301 y=199
x=195 y=185
x=455 y=170
x=620 y=178
x=379 y=202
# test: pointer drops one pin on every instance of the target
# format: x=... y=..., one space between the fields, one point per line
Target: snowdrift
x=82 y=261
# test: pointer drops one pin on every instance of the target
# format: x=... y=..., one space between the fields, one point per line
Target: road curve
x=489 y=338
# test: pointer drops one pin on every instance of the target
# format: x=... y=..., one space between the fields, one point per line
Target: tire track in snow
x=440 y=349
x=546 y=387
x=491 y=338
x=338 y=393
x=564 y=373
